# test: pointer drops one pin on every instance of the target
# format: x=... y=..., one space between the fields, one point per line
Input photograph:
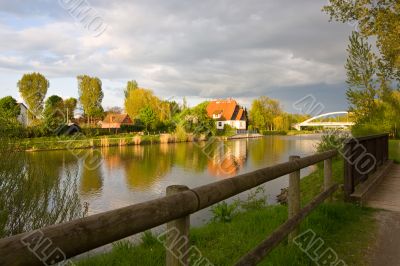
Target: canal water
x=116 y=177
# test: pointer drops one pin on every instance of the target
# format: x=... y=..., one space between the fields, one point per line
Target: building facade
x=23 y=117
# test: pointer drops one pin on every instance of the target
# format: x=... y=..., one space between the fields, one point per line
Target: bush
x=255 y=200
x=224 y=212
x=227 y=131
x=332 y=140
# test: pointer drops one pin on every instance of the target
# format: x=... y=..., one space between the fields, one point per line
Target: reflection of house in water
x=228 y=158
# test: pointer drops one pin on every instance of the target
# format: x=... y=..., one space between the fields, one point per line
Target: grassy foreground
x=346 y=228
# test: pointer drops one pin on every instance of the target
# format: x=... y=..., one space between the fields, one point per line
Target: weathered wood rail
x=363 y=156
x=59 y=242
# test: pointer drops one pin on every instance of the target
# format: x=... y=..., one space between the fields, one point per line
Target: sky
x=200 y=50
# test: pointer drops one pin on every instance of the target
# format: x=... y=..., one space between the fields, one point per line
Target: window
x=220 y=124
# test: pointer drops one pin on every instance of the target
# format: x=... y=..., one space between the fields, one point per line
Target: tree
x=148 y=117
x=361 y=78
x=9 y=108
x=114 y=110
x=33 y=89
x=372 y=76
x=196 y=120
x=54 y=114
x=91 y=96
x=70 y=105
x=378 y=18
x=139 y=98
x=263 y=111
x=131 y=85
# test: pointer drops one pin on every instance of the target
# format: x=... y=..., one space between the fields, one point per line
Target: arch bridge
x=310 y=123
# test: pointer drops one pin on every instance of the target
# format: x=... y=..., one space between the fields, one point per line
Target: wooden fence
x=363 y=156
x=59 y=242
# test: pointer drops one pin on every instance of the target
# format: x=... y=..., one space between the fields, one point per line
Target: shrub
x=256 y=200
x=224 y=212
x=332 y=140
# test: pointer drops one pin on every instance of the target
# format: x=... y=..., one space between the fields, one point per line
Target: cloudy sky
x=205 y=49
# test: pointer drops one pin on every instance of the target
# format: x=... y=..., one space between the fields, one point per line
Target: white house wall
x=237 y=124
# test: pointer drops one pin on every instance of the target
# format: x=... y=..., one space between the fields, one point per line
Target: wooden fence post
x=178 y=235
x=294 y=196
x=328 y=181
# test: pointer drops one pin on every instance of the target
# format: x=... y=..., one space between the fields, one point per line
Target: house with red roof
x=116 y=121
x=227 y=112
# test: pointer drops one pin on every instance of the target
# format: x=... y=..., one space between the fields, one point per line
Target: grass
x=342 y=226
x=394 y=150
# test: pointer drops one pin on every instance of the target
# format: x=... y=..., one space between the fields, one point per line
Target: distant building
x=23 y=118
x=227 y=112
x=116 y=121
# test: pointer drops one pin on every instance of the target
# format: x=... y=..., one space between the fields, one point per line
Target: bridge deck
x=387 y=195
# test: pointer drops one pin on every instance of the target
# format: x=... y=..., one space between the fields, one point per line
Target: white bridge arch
x=309 y=123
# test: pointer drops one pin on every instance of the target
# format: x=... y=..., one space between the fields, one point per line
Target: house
x=116 y=121
x=23 y=116
x=227 y=112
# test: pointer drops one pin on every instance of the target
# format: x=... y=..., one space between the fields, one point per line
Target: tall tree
x=91 y=96
x=9 y=108
x=372 y=74
x=263 y=111
x=70 y=105
x=361 y=78
x=138 y=99
x=130 y=86
x=54 y=114
x=378 y=18
x=33 y=89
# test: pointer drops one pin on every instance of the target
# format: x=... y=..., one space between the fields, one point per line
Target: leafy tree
x=54 y=114
x=377 y=18
x=361 y=79
x=91 y=96
x=139 y=98
x=33 y=89
x=263 y=112
x=148 y=117
x=70 y=105
x=132 y=85
x=372 y=75
x=9 y=107
x=196 y=120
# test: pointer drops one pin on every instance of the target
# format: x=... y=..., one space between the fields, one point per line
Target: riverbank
x=342 y=226
x=82 y=142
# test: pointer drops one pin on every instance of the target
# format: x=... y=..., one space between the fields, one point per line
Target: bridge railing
x=59 y=242
x=363 y=156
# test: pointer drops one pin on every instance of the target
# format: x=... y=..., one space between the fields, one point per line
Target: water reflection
x=228 y=158
x=132 y=174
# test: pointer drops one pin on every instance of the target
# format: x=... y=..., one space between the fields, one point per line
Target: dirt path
x=387 y=249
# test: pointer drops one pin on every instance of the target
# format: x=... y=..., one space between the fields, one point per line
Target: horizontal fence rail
x=79 y=236
x=363 y=156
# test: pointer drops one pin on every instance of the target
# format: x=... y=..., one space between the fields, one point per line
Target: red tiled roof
x=229 y=109
x=118 y=118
